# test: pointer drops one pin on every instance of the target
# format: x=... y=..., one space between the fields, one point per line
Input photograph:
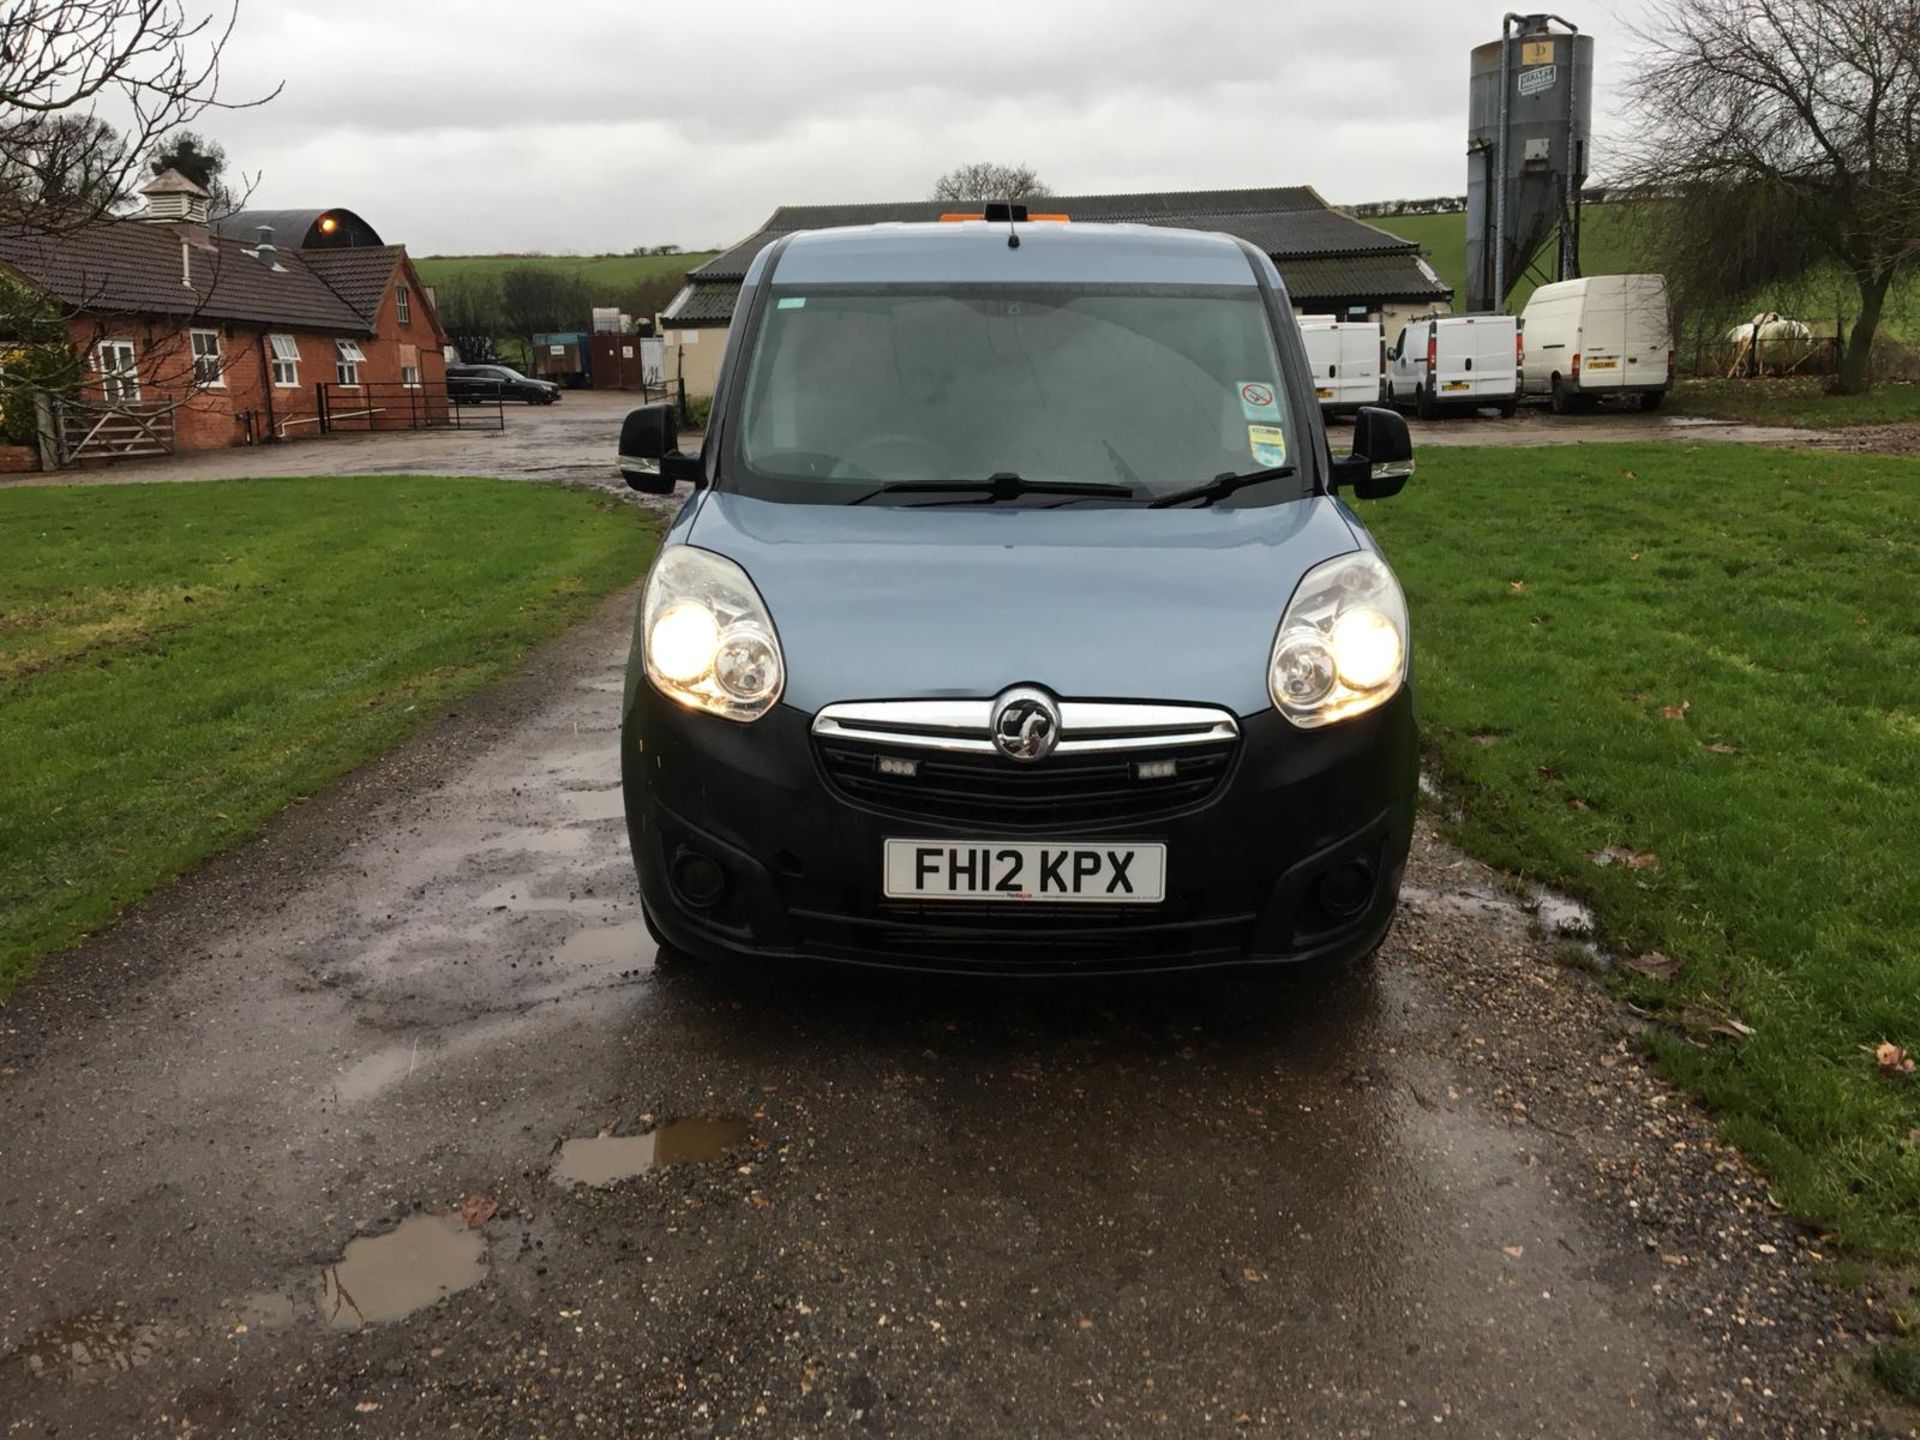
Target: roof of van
x=1049 y=252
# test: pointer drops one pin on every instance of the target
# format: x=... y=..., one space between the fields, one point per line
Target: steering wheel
x=898 y=457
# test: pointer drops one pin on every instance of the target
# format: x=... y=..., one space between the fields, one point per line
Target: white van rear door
x=1648 y=331
x=1345 y=361
x=1476 y=359
x=1603 y=336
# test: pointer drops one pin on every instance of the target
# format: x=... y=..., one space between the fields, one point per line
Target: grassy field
x=1795 y=402
x=179 y=662
x=1680 y=683
x=613 y=274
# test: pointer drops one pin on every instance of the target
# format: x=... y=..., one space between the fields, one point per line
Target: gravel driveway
x=349 y=1071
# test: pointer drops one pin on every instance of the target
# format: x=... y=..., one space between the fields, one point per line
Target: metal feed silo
x=1529 y=117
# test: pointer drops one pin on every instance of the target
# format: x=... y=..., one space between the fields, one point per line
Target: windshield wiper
x=1221 y=486
x=1004 y=485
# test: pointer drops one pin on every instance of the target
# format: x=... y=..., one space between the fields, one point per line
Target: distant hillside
x=1608 y=247
x=615 y=274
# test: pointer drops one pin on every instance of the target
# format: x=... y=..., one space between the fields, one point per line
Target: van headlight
x=708 y=639
x=1342 y=646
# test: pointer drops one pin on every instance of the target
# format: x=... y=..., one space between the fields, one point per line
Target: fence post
x=321 y=425
x=46 y=431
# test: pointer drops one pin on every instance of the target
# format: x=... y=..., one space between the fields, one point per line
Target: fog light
x=698 y=880
x=1344 y=892
x=1156 y=769
x=897 y=765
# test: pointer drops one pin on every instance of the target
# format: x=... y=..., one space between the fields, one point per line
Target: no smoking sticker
x=1257 y=400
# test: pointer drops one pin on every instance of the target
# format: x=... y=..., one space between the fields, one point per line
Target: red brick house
x=191 y=336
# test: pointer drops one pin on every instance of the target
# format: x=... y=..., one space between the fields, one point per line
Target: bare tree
x=1778 y=138
x=67 y=163
x=146 y=66
x=985 y=180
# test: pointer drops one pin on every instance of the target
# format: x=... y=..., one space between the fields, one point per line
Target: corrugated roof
x=299 y=228
x=359 y=275
x=709 y=304
x=135 y=267
x=1283 y=221
x=1362 y=277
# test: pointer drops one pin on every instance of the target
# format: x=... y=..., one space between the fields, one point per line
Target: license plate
x=1603 y=364
x=1323 y=393
x=1025 y=870
x=1455 y=384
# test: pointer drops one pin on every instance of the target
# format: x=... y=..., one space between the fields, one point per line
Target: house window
x=410 y=366
x=402 y=304
x=119 y=379
x=286 y=360
x=207 y=369
x=347 y=361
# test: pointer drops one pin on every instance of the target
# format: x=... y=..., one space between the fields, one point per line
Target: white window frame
x=119 y=382
x=348 y=357
x=410 y=376
x=217 y=380
x=286 y=361
x=402 y=305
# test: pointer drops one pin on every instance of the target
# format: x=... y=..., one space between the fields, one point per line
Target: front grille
x=1064 y=790
x=1030 y=939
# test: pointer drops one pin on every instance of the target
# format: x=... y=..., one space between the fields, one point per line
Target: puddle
x=265 y=1310
x=592 y=805
x=1558 y=915
x=624 y=944
x=94 y=1342
x=386 y=1277
x=603 y=1159
x=366 y=1078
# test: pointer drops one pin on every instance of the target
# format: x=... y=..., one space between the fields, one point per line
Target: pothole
x=388 y=1277
x=605 y=1159
x=94 y=1342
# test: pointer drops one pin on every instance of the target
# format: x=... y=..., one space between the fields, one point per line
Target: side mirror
x=650 y=460
x=1382 y=457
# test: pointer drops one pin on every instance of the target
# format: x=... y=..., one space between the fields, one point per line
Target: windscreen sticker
x=1268 y=444
x=791 y=302
x=1256 y=400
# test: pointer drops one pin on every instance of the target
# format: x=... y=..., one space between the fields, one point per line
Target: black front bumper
x=802 y=860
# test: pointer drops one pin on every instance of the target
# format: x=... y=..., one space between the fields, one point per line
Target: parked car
x=1016 y=621
x=1348 y=361
x=466 y=383
x=1604 y=335
x=1456 y=362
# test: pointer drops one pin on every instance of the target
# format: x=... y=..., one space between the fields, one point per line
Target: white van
x=1346 y=358
x=1602 y=335
x=1456 y=362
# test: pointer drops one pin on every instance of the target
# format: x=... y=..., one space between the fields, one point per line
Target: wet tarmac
x=1439 y=1195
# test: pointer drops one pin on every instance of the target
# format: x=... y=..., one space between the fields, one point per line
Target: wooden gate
x=92 y=431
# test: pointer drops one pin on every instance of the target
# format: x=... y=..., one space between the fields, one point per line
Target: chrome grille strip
x=1086 y=726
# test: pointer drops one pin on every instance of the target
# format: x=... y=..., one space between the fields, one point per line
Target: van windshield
x=1130 y=388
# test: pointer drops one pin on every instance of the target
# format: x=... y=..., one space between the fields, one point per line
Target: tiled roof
x=359 y=275
x=1283 y=221
x=136 y=267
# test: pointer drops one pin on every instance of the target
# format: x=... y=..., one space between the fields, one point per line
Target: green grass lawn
x=1709 y=656
x=611 y=274
x=1795 y=402
x=179 y=662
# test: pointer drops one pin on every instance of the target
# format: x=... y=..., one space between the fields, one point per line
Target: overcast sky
x=596 y=125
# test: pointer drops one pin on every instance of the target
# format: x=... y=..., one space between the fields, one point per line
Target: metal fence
x=358 y=409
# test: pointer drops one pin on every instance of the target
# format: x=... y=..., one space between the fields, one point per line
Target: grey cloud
x=588 y=126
